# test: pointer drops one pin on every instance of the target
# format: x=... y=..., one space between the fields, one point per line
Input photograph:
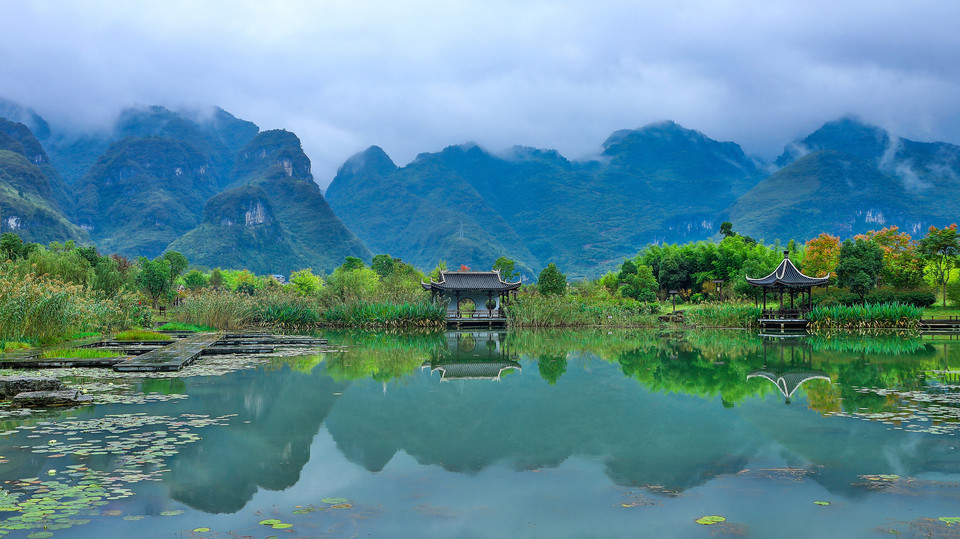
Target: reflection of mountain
x=529 y=424
x=266 y=445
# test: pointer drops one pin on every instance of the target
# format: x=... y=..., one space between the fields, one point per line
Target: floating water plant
x=822 y=503
x=710 y=519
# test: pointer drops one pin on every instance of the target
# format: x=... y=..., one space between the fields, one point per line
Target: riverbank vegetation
x=48 y=293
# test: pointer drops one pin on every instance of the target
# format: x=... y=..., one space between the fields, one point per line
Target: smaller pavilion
x=788 y=279
x=473 y=296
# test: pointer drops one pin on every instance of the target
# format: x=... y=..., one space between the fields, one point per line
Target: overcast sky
x=416 y=76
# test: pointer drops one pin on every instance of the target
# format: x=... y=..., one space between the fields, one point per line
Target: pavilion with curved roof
x=788 y=279
x=473 y=296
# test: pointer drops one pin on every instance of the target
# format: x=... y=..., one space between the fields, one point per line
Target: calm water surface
x=506 y=434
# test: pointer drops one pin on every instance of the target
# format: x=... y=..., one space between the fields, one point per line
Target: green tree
x=551 y=281
x=178 y=264
x=11 y=246
x=861 y=262
x=939 y=250
x=506 y=267
x=216 y=278
x=352 y=263
x=383 y=265
x=107 y=278
x=726 y=228
x=154 y=277
x=305 y=282
x=195 y=279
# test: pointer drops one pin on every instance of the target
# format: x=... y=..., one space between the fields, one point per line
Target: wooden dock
x=171 y=357
x=940 y=324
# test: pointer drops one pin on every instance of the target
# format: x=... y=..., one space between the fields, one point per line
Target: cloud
x=418 y=76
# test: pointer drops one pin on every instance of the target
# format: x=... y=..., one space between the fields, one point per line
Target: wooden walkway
x=171 y=357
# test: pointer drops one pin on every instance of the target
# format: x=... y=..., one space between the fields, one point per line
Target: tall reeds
x=217 y=309
x=384 y=314
x=723 y=315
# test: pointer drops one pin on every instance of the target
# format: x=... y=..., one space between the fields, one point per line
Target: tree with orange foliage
x=902 y=267
x=822 y=256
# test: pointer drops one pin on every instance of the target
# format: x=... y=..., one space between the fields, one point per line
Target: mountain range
x=227 y=194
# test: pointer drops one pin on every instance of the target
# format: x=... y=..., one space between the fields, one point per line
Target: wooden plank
x=172 y=357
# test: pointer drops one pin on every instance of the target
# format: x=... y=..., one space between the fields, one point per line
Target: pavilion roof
x=483 y=370
x=787 y=275
x=471 y=281
x=789 y=382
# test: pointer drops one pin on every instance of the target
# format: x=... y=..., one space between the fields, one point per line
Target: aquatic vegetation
x=140 y=444
x=542 y=311
x=220 y=309
x=873 y=315
x=84 y=353
x=141 y=335
x=180 y=326
x=710 y=519
x=386 y=314
x=723 y=315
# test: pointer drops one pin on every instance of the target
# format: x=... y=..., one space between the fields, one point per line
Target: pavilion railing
x=478 y=313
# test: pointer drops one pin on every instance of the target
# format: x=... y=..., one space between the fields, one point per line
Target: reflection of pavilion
x=473 y=355
x=790 y=370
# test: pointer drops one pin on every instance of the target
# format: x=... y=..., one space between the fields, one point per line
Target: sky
x=416 y=76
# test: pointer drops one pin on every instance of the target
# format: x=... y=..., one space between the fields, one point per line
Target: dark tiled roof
x=788 y=275
x=471 y=280
x=475 y=371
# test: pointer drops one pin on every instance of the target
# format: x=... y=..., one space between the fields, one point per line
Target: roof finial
x=786 y=255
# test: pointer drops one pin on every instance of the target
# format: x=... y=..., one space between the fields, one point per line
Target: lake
x=483 y=434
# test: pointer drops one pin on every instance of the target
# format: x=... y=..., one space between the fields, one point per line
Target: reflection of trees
x=382 y=356
x=552 y=367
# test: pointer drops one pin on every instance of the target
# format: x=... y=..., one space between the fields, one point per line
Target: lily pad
x=341 y=506
x=710 y=519
x=201 y=530
x=334 y=500
x=172 y=513
x=950 y=520
x=270 y=521
x=282 y=526
x=822 y=503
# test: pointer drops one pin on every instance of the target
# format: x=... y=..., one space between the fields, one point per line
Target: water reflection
x=663 y=411
x=473 y=355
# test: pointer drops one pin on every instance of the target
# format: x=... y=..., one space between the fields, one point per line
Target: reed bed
x=38 y=309
x=220 y=309
x=385 y=314
x=540 y=311
x=870 y=316
x=724 y=315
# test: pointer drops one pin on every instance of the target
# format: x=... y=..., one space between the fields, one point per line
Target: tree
x=506 y=267
x=551 y=281
x=726 y=228
x=902 y=267
x=154 y=277
x=383 y=265
x=822 y=256
x=305 y=282
x=195 y=279
x=939 y=250
x=106 y=277
x=352 y=263
x=216 y=278
x=860 y=264
x=673 y=273
x=11 y=246
x=435 y=273
x=637 y=282
x=178 y=264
